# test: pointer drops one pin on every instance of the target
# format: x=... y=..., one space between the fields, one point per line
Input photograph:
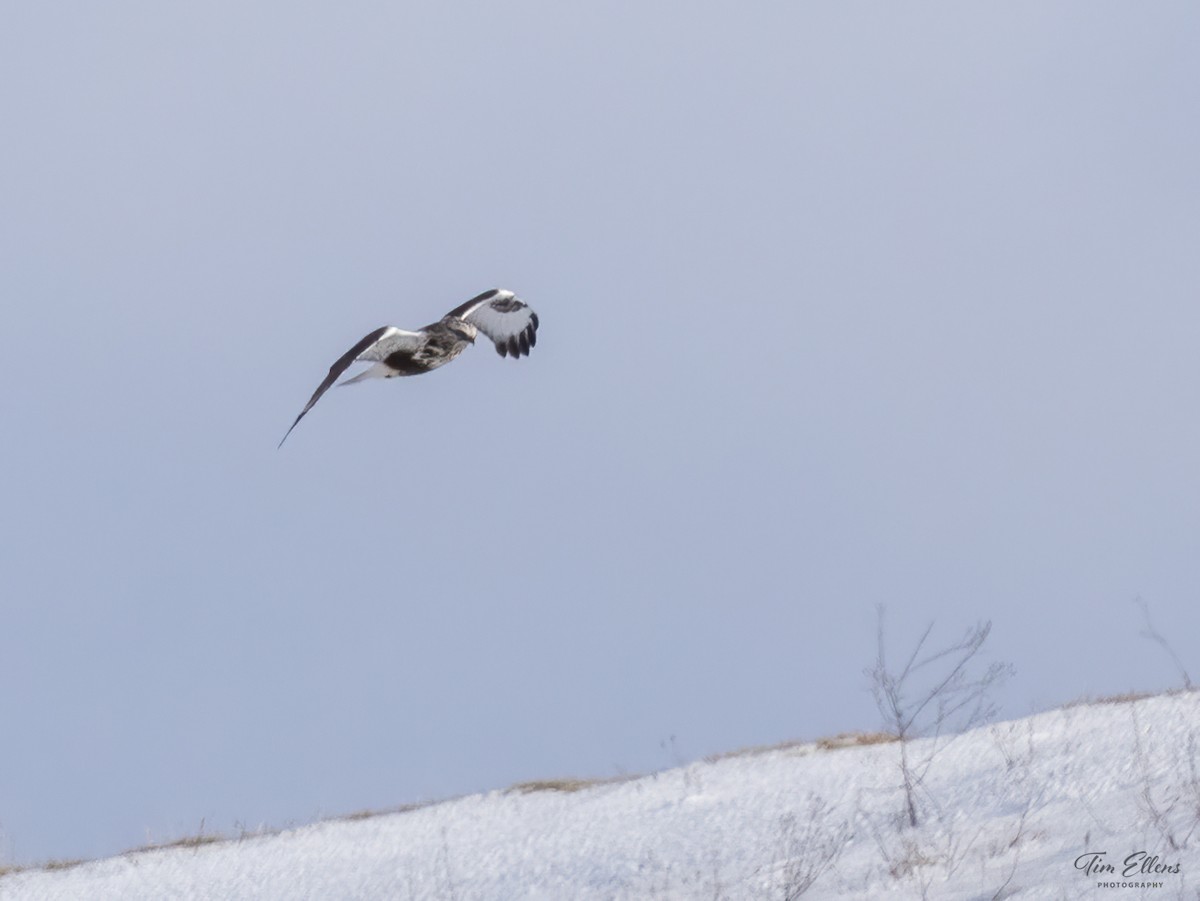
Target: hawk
x=500 y=315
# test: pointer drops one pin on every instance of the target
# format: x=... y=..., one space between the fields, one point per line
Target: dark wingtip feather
x=525 y=343
x=491 y=292
x=295 y=423
x=502 y=349
x=513 y=347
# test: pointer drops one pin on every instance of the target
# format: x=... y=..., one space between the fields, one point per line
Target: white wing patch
x=366 y=349
x=504 y=318
x=388 y=343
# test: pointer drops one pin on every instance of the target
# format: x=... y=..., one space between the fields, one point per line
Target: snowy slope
x=1009 y=810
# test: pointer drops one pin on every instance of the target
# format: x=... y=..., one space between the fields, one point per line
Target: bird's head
x=465 y=330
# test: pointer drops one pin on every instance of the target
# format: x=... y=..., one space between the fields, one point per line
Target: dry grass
x=49 y=865
x=830 y=743
x=371 y=813
x=195 y=842
x=1128 y=697
x=855 y=740
x=556 y=785
x=190 y=841
x=53 y=865
x=755 y=750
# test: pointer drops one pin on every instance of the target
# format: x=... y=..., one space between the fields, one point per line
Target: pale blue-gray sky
x=841 y=304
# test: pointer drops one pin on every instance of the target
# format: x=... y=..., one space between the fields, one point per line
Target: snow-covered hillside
x=1034 y=808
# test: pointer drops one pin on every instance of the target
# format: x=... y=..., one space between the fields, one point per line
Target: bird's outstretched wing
x=374 y=347
x=504 y=318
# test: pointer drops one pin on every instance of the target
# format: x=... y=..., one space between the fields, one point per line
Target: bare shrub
x=934 y=693
x=1172 y=810
x=447 y=868
x=808 y=846
x=1019 y=756
x=1154 y=635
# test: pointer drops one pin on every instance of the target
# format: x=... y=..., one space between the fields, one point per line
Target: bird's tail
x=378 y=371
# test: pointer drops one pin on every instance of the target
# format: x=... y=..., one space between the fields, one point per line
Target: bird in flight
x=500 y=315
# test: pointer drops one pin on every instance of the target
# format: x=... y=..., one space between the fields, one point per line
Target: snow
x=1009 y=810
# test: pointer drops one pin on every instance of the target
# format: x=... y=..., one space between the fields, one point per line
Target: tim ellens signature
x=1139 y=863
